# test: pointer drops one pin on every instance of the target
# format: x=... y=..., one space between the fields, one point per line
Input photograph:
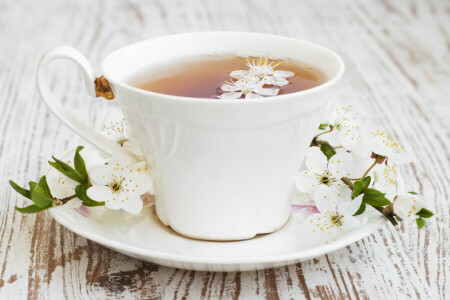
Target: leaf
x=20 y=190
x=375 y=198
x=67 y=170
x=80 y=191
x=40 y=197
x=79 y=164
x=43 y=184
x=413 y=193
x=361 y=209
x=420 y=223
x=425 y=213
x=360 y=186
x=328 y=150
x=323 y=126
x=30 y=209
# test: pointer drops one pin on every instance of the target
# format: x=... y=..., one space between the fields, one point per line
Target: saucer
x=144 y=237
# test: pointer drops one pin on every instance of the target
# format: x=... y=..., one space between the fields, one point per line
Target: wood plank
x=397 y=56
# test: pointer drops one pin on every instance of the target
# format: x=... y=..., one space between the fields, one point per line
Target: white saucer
x=144 y=237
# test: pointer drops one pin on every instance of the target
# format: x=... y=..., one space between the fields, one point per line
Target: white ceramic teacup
x=223 y=169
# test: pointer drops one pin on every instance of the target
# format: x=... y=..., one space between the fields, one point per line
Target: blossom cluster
x=119 y=182
x=356 y=175
x=252 y=83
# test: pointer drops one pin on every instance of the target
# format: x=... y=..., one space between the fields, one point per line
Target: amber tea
x=228 y=76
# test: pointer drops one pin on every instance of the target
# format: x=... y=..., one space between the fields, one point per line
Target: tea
x=204 y=77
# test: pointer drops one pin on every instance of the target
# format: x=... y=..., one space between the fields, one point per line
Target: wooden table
x=397 y=58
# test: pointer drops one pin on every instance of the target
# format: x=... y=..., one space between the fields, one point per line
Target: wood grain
x=397 y=56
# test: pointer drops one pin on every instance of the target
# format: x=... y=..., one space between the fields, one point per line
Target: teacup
x=223 y=168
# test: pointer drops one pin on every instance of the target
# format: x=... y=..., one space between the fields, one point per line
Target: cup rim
x=329 y=83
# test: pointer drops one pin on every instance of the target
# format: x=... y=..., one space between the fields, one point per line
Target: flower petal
x=133 y=205
x=340 y=164
x=238 y=73
x=325 y=198
x=252 y=96
x=267 y=91
x=349 y=222
x=283 y=73
x=229 y=88
x=351 y=207
x=230 y=95
x=100 y=193
x=306 y=181
x=278 y=81
x=138 y=183
x=316 y=161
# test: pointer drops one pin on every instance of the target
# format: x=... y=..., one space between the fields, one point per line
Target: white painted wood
x=397 y=56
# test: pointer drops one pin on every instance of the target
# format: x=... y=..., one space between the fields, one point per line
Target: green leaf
x=80 y=191
x=425 y=213
x=328 y=150
x=30 y=209
x=43 y=184
x=79 y=164
x=323 y=126
x=67 y=170
x=413 y=193
x=20 y=190
x=360 y=186
x=361 y=209
x=32 y=184
x=420 y=223
x=375 y=198
x=40 y=197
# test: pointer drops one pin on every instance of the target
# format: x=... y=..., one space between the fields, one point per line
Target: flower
x=120 y=184
x=322 y=171
x=336 y=211
x=406 y=205
x=249 y=86
x=384 y=178
x=120 y=132
x=62 y=186
x=384 y=147
x=345 y=124
x=264 y=71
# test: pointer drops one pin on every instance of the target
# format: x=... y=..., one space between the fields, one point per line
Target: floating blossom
x=322 y=171
x=120 y=184
x=407 y=205
x=385 y=147
x=247 y=86
x=335 y=212
x=264 y=71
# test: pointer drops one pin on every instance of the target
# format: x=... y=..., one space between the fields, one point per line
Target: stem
x=67 y=199
x=368 y=170
x=348 y=182
x=387 y=214
x=315 y=142
x=322 y=133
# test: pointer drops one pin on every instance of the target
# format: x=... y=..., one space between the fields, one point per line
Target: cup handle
x=96 y=87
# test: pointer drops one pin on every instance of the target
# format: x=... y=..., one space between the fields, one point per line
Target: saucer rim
x=317 y=251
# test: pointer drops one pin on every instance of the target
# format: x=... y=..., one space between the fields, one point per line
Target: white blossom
x=265 y=72
x=383 y=145
x=406 y=205
x=346 y=126
x=336 y=210
x=321 y=171
x=121 y=133
x=120 y=184
x=247 y=86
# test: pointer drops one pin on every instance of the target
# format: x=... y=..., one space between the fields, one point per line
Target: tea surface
x=202 y=77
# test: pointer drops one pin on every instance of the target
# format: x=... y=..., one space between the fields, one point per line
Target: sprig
x=40 y=194
x=373 y=197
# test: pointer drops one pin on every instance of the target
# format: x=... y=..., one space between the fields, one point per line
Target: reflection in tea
x=204 y=77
